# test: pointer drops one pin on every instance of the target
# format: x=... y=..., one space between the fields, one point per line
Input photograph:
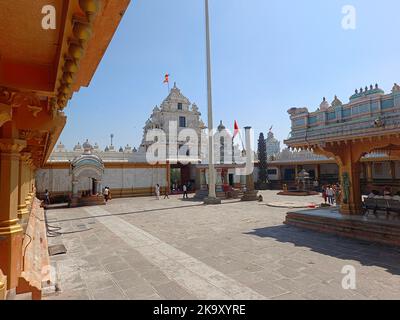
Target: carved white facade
x=175 y=114
x=273 y=145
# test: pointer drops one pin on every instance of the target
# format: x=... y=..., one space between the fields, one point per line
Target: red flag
x=235 y=129
x=166 y=78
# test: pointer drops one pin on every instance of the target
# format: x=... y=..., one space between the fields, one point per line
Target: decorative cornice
x=5 y=113
x=12 y=145
x=25 y=156
x=82 y=32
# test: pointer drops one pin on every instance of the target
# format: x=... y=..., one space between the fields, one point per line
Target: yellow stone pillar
x=23 y=186
x=10 y=230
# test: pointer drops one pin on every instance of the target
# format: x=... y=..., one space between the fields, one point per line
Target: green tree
x=262 y=161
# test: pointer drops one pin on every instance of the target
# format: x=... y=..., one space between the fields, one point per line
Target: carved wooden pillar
x=350 y=168
x=10 y=229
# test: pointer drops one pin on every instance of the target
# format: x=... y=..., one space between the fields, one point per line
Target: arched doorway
x=87 y=173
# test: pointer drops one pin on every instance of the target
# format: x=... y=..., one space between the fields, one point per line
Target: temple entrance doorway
x=180 y=175
x=87 y=172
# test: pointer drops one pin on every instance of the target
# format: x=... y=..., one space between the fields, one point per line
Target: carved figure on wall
x=346 y=187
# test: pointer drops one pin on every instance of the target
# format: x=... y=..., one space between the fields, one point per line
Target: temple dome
x=128 y=148
x=87 y=147
x=367 y=91
x=336 y=102
x=221 y=126
x=396 y=88
x=78 y=147
x=60 y=147
x=324 y=105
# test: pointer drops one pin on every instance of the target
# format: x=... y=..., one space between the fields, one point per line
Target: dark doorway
x=231 y=181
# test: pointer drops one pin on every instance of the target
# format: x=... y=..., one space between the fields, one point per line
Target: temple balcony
x=365 y=116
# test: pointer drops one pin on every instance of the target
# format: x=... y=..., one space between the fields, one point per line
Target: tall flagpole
x=212 y=198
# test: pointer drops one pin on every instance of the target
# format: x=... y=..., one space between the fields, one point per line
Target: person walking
x=324 y=193
x=166 y=194
x=106 y=194
x=185 y=194
x=330 y=195
x=46 y=197
x=157 y=190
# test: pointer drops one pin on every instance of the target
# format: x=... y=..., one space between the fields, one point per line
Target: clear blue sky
x=267 y=56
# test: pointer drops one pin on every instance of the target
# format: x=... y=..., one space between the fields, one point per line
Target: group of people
x=166 y=194
x=331 y=193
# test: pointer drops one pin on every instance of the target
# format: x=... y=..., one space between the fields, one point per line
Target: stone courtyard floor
x=142 y=248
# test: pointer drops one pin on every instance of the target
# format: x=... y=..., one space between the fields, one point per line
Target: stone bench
x=387 y=205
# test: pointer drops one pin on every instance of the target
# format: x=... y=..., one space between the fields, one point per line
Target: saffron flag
x=235 y=129
x=166 y=78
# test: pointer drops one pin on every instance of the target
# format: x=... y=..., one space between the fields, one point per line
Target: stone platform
x=87 y=201
x=377 y=229
x=298 y=193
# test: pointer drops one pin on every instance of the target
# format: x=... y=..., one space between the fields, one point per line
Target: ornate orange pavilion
x=40 y=69
x=369 y=122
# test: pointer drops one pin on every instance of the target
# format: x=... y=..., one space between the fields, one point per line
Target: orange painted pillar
x=10 y=230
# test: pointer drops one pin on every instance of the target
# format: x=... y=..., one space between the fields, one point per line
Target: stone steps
x=361 y=228
x=201 y=194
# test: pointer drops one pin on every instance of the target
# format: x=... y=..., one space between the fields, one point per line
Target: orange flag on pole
x=235 y=129
x=166 y=78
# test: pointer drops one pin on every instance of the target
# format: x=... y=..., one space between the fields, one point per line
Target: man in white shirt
x=185 y=194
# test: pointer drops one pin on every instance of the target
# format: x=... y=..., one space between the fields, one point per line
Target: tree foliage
x=262 y=160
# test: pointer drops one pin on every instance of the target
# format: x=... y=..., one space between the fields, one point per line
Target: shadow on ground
x=366 y=253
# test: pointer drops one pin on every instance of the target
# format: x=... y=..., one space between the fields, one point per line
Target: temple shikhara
x=82 y=220
x=40 y=69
